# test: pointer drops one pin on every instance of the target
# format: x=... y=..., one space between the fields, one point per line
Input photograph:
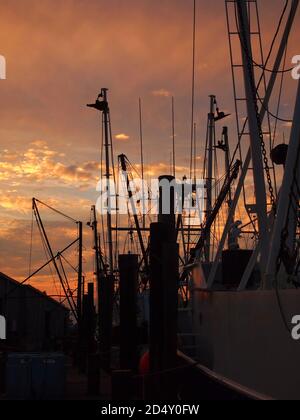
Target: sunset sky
x=59 y=55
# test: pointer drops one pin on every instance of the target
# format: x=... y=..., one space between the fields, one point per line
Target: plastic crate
x=38 y=376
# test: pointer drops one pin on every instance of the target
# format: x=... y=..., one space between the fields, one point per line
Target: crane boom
x=123 y=163
x=231 y=176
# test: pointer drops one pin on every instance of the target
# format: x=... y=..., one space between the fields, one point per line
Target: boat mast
x=224 y=146
x=103 y=106
x=255 y=129
x=107 y=146
x=99 y=267
x=209 y=179
x=106 y=282
x=287 y=193
x=142 y=160
x=173 y=137
x=247 y=160
x=210 y=166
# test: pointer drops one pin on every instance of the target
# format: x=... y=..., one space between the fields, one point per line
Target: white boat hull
x=242 y=336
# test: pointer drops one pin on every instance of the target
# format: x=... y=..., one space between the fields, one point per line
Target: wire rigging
x=264 y=67
x=173 y=136
x=193 y=87
x=279 y=98
x=31 y=244
x=55 y=211
x=259 y=82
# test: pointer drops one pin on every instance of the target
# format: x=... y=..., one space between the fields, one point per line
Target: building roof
x=32 y=289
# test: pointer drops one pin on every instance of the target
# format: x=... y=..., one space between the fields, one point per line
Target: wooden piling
x=106 y=320
x=128 y=266
x=93 y=368
x=122 y=385
x=164 y=278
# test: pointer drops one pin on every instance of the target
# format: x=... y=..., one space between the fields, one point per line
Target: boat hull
x=242 y=336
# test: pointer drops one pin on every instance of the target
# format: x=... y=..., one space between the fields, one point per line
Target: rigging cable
x=31 y=244
x=254 y=93
x=279 y=98
x=193 y=86
x=142 y=159
x=104 y=239
x=68 y=289
x=55 y=211
x=264 y=67
x=116 y=193
x=69 y=264
x=173 y=136
x=192 y=117
x=270 y=113
x=261 y=78
x=46 y=251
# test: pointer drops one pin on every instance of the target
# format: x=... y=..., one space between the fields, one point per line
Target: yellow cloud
x=40 y=164
x=162 y=92
x=122 y=136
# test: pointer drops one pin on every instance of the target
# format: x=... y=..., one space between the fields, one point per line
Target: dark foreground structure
x=34 y=321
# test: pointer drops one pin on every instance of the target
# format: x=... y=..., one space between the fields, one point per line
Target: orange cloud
x=40 y=164
x=162 y=92
x=122 y=136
